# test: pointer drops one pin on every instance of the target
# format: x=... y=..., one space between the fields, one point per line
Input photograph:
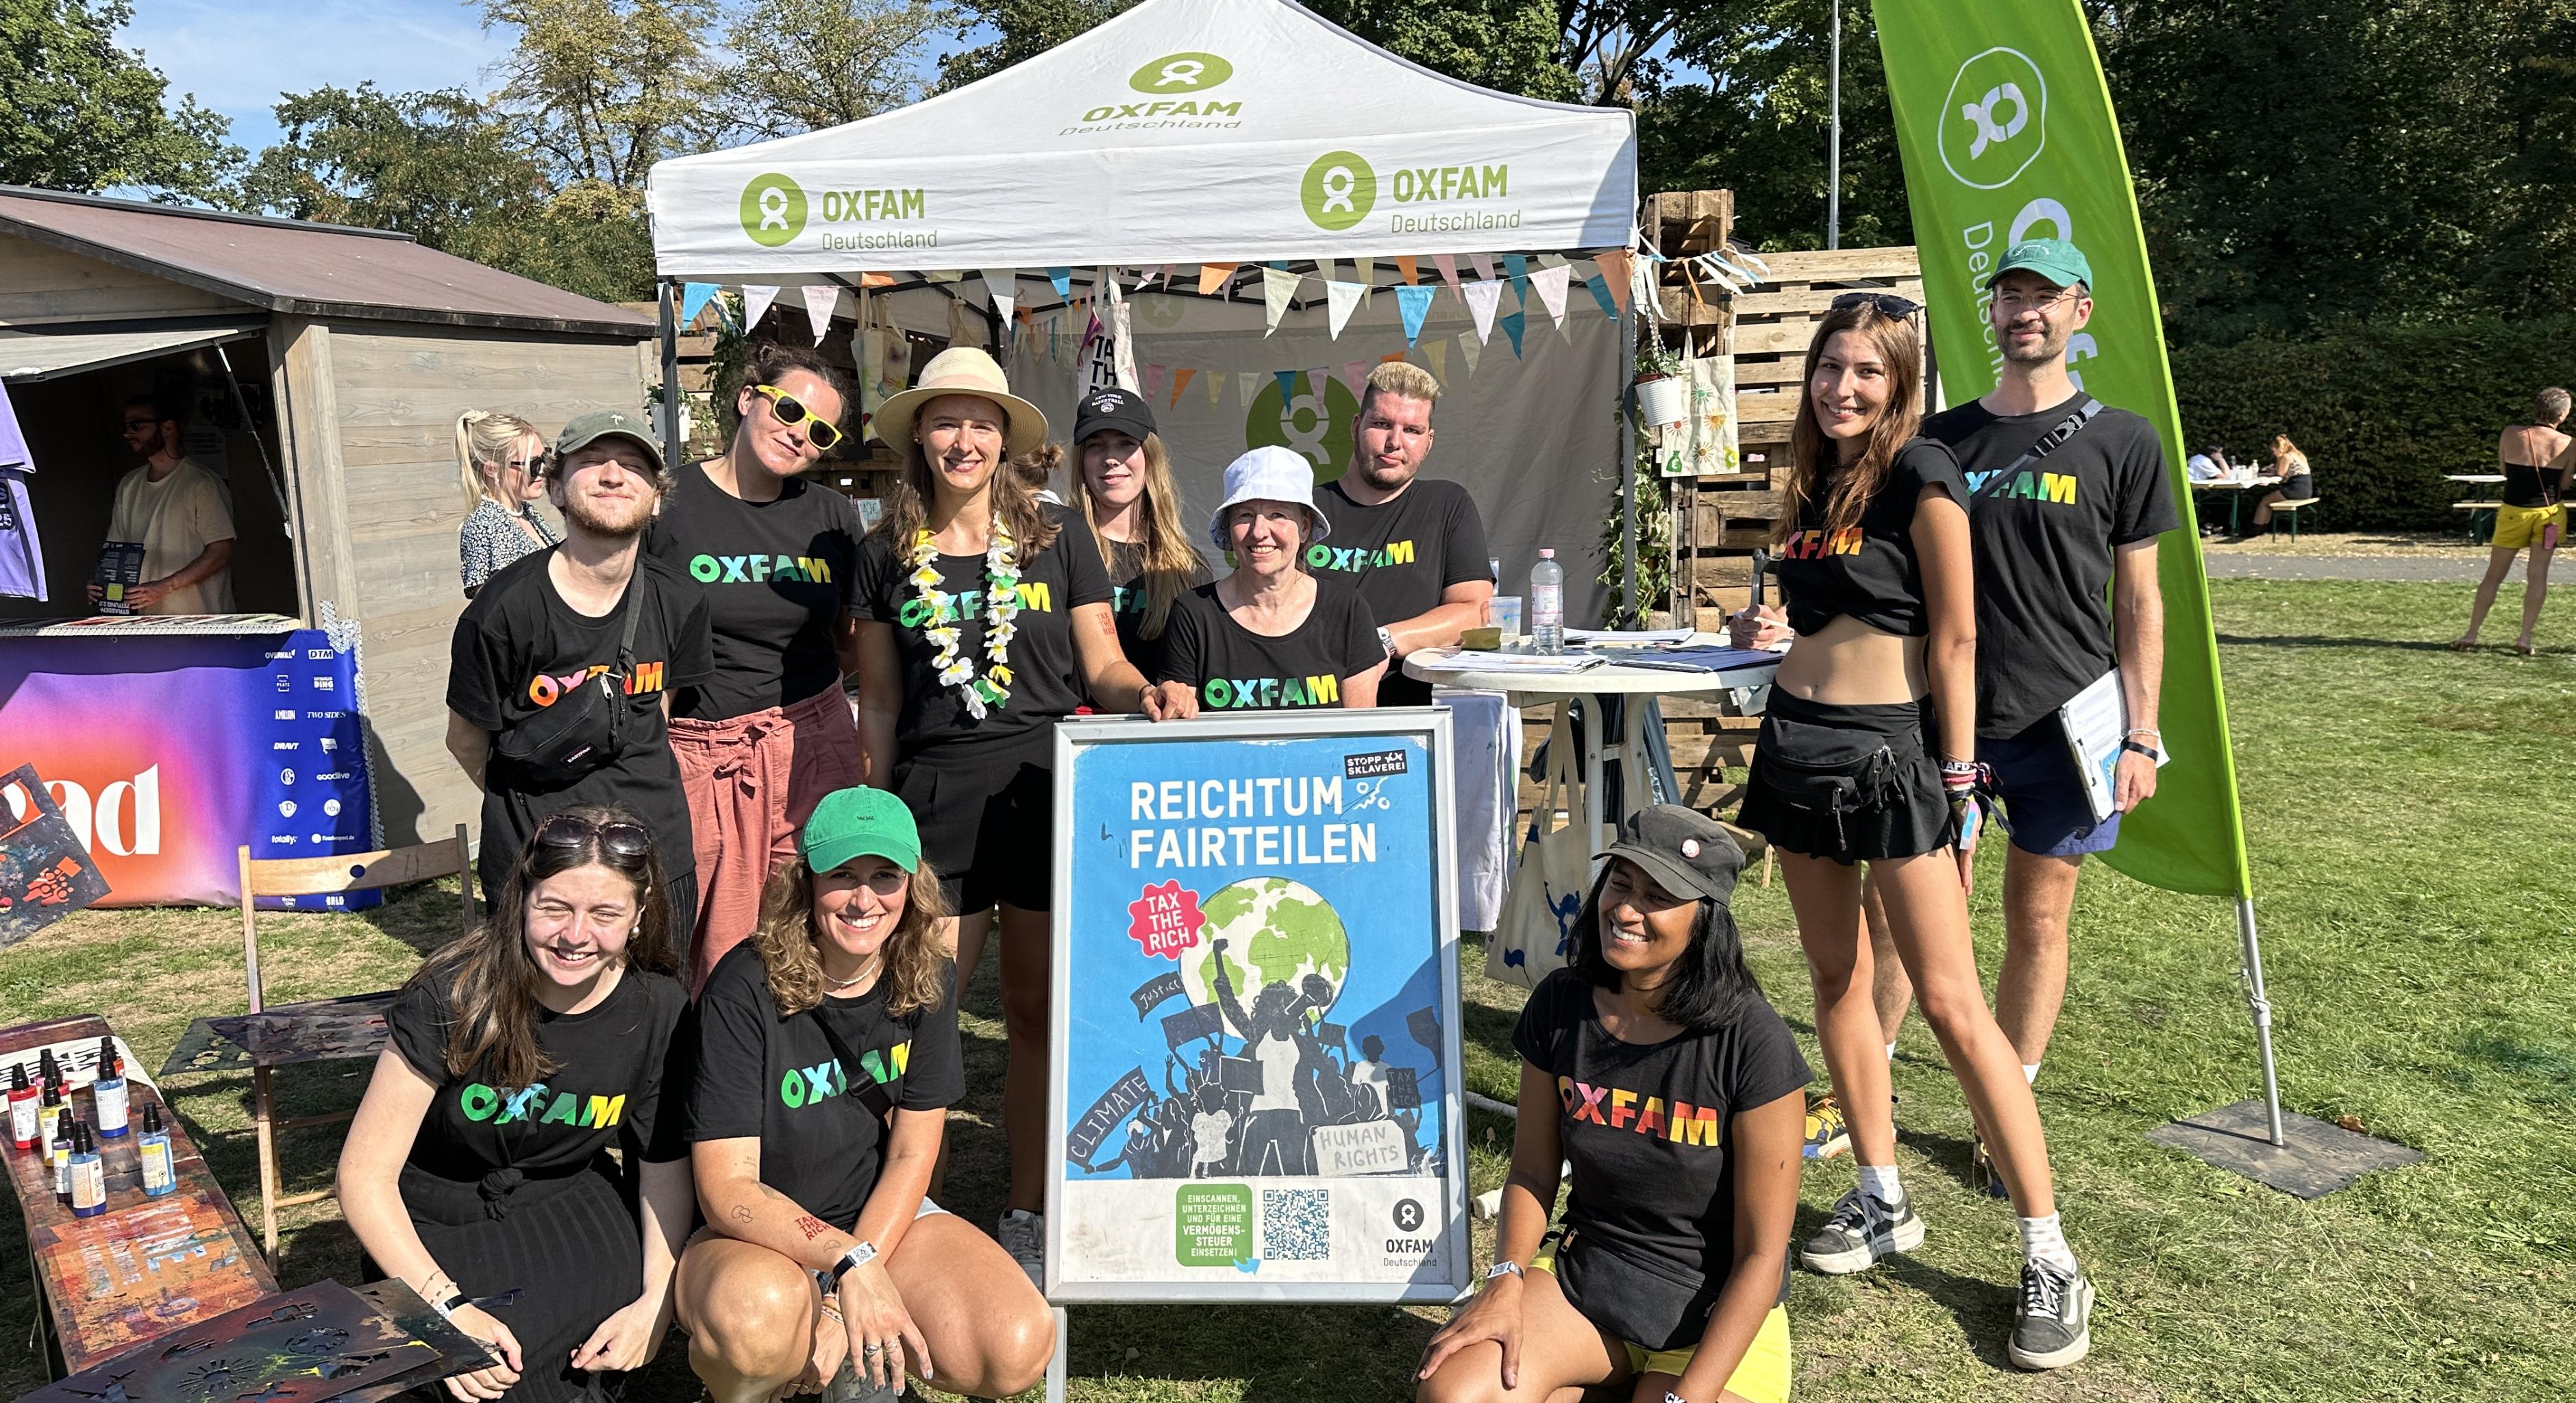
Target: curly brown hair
x=785 y=940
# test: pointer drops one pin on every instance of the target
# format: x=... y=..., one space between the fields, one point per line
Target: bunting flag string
x=1483 y=296
x=1247 y=388
x=1341 y=297
x=1002 y=285
x=820 y=303
x=1354 y=375
x=1599 y=282
x=1472 y=348
x=1213 y=276
x=1550 y=283
x=1316 y=380
x=1512 y=327
x=756 y=298
x=1414 y=304
x=693 y=300
x=1368 y=281
x=1278 y=289
x=1484 y=265
x=1287 y=386
x=1063 y=280
x=1153 y=381
x=1448 y=266
x=1516 y=266
x=1406 y=268
x=1215 y=388
x=1437 y=353
x=1180 y=381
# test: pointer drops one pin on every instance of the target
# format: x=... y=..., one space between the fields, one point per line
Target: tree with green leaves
x=77 y=112
x=599 y=90
x=802 y=65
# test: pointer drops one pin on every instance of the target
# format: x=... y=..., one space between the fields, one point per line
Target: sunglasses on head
x=1887 y=303
x=572 y=831
x=791 y=411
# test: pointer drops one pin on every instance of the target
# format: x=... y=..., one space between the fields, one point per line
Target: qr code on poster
x=1296 y=1225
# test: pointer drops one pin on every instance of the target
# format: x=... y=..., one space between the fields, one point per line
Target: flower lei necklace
x=992 y=691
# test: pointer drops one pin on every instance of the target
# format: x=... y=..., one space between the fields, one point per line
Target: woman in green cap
x=827 y=1059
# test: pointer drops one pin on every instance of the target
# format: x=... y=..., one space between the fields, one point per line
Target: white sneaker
x=1023 y=1235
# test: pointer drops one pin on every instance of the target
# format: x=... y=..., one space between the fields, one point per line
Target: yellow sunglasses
x=791 y=411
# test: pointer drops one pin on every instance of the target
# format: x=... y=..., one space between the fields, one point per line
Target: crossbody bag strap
x=2048 y=443
x=634 y=610
x=870 y=1094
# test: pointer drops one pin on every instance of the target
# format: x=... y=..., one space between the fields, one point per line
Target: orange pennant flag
x=1180 y=381
x=1404 y=264
x=876 y=279
x=1615 y=264
x=1213 y=275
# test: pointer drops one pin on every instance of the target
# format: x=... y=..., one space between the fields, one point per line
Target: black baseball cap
x=1686 y=852
x=1113 y=408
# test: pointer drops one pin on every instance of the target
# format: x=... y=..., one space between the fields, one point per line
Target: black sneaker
x=2053 y=1325
x=1862 y=1230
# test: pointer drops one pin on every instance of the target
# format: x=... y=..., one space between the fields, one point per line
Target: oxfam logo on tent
x=1180 y=73
x=1314 y=423
x=1994 y=123
x=773 y=210
x=1338 y=190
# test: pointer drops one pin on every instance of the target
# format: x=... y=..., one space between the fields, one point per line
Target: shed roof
x=304 y=269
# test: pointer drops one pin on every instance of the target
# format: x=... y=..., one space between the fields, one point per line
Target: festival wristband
x=858 y=1256
x=2148 y=751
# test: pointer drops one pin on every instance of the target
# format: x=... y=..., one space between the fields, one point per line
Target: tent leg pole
x=1627 y=478
x=2261 y=1004
x=670 y=337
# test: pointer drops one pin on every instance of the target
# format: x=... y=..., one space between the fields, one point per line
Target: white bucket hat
x=962 y=370
x=1268 y=474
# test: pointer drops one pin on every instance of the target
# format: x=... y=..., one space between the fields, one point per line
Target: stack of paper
x=1535 y=664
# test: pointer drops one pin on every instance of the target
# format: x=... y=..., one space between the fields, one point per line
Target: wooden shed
x=329 y=365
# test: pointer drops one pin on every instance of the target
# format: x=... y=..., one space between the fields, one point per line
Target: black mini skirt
x=1851 y=783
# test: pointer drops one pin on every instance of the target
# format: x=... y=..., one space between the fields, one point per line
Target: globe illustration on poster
x=1276 y=932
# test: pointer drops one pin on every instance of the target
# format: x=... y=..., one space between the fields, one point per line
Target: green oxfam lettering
x=1339 y=190
x=1180 y=73
x=1212 y=1225
x=773 y=210
x=1994 y=123
x=1312 y=424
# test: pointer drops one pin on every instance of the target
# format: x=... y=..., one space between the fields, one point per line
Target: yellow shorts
x=2517 y=527
x=1762 y=1376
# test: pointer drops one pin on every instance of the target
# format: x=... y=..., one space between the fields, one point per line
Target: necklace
x=875 y=963
x=992 y=691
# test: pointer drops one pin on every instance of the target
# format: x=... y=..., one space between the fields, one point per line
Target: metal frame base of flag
x=2299 y=1155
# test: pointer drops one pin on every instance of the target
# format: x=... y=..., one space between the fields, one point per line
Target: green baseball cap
x=860 y=822
x=2057 y=260
x=588 y=429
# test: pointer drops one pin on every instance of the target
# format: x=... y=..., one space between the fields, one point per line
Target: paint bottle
x=108 y=1093
x=62 y=1156
x=160 y=1174
x=22 y=1108
x=89 y=1174
x=49 y=1116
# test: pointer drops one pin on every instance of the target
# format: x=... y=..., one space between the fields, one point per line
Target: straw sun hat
x=962 y=370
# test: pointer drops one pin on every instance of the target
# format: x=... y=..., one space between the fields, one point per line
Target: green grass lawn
x=2405 y=807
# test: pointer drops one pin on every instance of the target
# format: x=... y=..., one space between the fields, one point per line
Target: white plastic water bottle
x=1547 y=603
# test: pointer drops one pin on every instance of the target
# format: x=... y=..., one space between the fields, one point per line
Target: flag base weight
x=2313 y=1160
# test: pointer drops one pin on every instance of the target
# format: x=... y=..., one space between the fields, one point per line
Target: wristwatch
x=858 y=1256
x=1386 y=640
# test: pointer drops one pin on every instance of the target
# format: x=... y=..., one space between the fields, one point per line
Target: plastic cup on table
x=1503 y=612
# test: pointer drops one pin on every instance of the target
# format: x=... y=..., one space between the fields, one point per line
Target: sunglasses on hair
x=791 y=411
x=574 y=831
x=1887 y=303
x=533 y=465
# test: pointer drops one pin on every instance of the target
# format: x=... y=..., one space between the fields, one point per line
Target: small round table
x=1605 y=695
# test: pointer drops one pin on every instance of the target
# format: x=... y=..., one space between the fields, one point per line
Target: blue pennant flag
x=693 y=300
x=1599 y=282
x=1287 y=386
x=1517 y=266
x=1063 y=280
x=1511 y=323
x=1415 y=304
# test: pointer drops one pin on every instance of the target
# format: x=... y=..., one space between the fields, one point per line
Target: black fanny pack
x=1653 y=1304
x=1830 y=771
x=586 y=728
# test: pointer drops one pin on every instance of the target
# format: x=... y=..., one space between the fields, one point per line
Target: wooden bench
x=146 y=1266
x=2292 y=510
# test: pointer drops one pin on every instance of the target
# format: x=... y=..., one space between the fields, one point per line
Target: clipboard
x=2096 y=721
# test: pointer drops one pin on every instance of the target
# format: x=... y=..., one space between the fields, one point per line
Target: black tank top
x=2527 y=486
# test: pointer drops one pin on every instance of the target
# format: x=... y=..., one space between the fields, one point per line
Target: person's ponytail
x=485 y=436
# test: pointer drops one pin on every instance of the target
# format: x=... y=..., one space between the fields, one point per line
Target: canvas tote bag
x=1535 y=936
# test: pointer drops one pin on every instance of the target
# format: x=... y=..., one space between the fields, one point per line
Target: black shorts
x=1852 y=783
x=986 y=811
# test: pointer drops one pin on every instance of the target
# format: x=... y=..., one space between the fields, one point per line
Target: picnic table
x=2235 y=488
x=146 y=1266
x=2482 y=514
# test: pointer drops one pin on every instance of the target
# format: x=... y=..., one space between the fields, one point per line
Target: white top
x=1436 y=665
x=176 y=518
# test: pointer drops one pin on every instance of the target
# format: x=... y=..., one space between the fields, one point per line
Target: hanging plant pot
x=1663 y=400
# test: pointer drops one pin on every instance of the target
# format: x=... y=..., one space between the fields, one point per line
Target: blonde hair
x=1171 y=562
x=785 y=939
x=1814 y=472
x=2284 y=451
x=1402 y=379
x=484 y=436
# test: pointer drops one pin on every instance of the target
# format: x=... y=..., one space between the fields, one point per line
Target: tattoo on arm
x=742 y=1214
x=811 y=1226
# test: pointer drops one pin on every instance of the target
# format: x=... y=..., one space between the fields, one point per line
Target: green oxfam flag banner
x=2006 y=130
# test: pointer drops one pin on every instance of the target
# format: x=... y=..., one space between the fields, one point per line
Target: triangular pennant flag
x=1368 y=280
x=820 y=303
x=1517 y=268
x=1406 y=268
x=1512 y=323
x=944 y=275
x=1180 y=381
x=1316 y=380
x=693 y=300
x=876 y=279
x=1287 y=387
x=1063 y=280
x=1325 y=270
x=1341 y=297
x=1003 y=285
x=1213 y=276
x=1153 y=380
x=1438 y=354
x=1448 y=266
x=1414 y=303
x=1216 y=388
x=1355 y=374
x=1247 y=387
x=1550 y=283
x=1483 y=296
x=755 y=303
x=1615 y=265
x=1599 y=282
x=1471 y=348
x=1484 y=265
x=1278 y=289
x=1551 y=260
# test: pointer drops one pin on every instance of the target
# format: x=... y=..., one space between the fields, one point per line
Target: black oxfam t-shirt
x=519 y=647
x=1046 y=671
x=1130 y=596
x=1400 y=555
x=610 y=1066
x=1234 y=669
x=1870 y=571
x=778 y=1079
x=777 y=576
x=1648 y=1129
x=2044 y=539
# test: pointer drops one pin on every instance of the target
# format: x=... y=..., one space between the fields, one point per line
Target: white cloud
x=238 y=58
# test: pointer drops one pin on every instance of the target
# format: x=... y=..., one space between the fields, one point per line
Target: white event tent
x=1242 y=132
